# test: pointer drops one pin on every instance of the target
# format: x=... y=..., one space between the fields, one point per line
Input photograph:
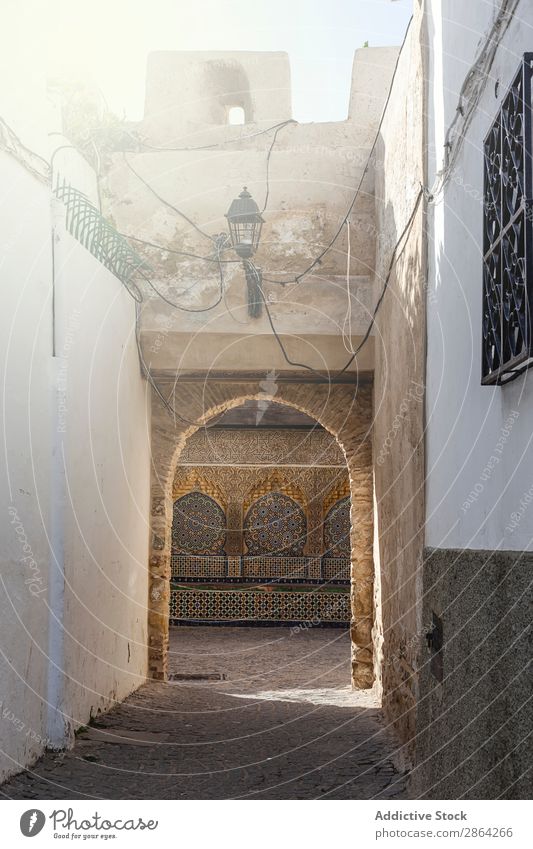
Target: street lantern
x=245 y=222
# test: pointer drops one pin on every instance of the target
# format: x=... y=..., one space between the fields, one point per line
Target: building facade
x=356 y=455
x=475 y=698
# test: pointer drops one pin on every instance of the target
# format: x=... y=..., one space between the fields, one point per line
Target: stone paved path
x=283 y=724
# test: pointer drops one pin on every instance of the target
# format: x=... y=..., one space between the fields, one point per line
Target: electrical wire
x=394 y=257
x=179 y=253
x=471 y=89
x=221 y=143
x=54 y=154
x=269 y=154
x=257 y=275
x=485 y=58
x=180 y=307
x=296 y=364
x=506 y=10
x=347 y=337
x=220 y=244
x=276 y=128
x=9 y=132
x=148 y=374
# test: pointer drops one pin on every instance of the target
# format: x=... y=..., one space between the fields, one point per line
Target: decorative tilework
x=199 y=525
x=337 y=529
x=279 y=481
x=262 y=447
x=260 y=605
x=189 y=566
x=185 y=566
x=336 y=569
x=275 y=525
x=275 y=567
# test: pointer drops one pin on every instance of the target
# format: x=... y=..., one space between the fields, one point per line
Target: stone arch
x=346 y=412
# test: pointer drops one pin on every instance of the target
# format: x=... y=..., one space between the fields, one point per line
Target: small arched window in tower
x=275 y=526
x=236 y=115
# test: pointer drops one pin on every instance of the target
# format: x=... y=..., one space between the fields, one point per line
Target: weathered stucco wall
x=399 y=384
x=302 y=175
x=345 y=411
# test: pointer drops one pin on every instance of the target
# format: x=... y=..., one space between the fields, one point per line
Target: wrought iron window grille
x=507 y=349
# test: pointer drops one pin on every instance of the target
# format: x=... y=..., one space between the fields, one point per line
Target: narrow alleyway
x=262 y=713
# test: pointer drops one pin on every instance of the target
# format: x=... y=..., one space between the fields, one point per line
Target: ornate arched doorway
x=343 y=410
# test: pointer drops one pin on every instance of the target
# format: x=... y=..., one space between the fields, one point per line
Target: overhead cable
x=166 y=202
x=221 y=143
x=394 y=258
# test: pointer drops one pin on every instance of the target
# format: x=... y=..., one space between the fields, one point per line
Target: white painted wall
x=107 y=445
x=25 y=466
x=74 y=479
x=472 y=500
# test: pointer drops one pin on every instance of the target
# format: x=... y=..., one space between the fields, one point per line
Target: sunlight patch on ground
x=330 y=696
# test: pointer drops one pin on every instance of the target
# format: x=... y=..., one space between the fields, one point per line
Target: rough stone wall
x=473 y=727
x=399 y=384
x=346 y=412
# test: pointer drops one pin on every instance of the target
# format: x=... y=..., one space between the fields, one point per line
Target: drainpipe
x=59 y=733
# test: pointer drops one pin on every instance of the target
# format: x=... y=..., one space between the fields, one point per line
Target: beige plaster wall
x=307 y=186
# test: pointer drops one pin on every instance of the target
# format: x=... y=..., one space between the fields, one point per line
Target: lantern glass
x=245 y=222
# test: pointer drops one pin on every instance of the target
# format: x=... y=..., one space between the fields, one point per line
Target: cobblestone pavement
x=282 y=724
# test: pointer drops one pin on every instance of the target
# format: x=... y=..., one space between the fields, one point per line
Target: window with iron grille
x=507 y=235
